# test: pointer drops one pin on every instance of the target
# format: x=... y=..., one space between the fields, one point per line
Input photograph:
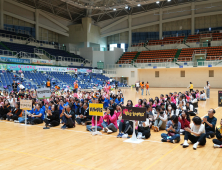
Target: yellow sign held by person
x=26 y=104
x=95 y=109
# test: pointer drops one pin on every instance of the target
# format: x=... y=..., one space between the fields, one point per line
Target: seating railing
x=165 y=42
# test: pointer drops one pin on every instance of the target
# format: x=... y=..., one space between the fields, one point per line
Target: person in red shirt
x=184 y=122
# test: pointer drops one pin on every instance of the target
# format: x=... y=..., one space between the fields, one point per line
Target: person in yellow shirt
x=147 y=88
x=191 y=87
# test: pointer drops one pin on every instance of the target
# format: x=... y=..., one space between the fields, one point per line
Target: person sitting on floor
x=92 y=127
x=173 y=130
x=210 y=122
x=52 y=116
x=68 y=117
x=109 y=122
x=196 y=134
x=84 y=118
x=36 y=115
x=184 y=122
x=15 y=114
x=218 y=142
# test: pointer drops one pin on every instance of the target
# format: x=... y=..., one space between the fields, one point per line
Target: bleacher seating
x=62 y=53
x=19 y=47
x=127 y=56
x=161 y=55
x=167 y=40
x=212 y=53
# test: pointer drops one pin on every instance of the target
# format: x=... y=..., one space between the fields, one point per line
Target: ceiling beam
x=114 y=23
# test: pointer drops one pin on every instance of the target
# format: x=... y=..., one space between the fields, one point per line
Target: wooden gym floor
x=31 y=147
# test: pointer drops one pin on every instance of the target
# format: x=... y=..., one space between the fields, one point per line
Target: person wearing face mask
x=169 y=111
x=159 y=118
x=196 y=134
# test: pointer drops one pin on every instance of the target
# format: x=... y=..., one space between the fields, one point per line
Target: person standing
x=191 y=87
x=137 y=85
x=208 y=89
x=14 y=86
x=142 y=87
x=147 y=88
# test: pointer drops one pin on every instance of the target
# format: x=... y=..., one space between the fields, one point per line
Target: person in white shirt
x=137 y=85
x=159 y=118
x=196 y=134
x=208 y=89
x=202 y=96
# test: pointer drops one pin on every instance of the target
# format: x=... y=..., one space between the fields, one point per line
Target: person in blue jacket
x=36 y=115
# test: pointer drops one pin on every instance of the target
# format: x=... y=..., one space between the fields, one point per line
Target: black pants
x=192 y=113
x=4 y=116
x=145 y=131
x=86 y=120
x=53 y=122
x=35 y=120
x=126 y=127
x=210 y=133
x=217 y=142
x=14 y=117
x=201 y=139
x=191 y=90
x=68 y=122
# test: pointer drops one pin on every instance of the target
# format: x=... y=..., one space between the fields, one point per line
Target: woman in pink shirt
x=139 y=103
x=92 y=127
x=109 y=122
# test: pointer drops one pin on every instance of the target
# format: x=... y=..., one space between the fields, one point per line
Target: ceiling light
x=126 y=7
x=114 y=9
x=157 y=2
x=168 y=0
x=138 y=5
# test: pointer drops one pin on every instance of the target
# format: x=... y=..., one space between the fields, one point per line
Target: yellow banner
x=96 y=109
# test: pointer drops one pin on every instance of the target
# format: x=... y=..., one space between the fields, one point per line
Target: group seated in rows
x=172 y=113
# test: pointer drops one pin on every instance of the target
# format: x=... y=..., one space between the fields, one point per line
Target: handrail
x=165 y=42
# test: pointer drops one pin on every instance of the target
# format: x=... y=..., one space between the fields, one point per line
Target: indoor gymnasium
x=110 y=84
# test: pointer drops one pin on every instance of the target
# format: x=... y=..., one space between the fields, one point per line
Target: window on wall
x=182 y=73
x=112 y=46
x=123 y=47
x=14 y=21
x=157 y=74
x=211 y=73
x=132 y=73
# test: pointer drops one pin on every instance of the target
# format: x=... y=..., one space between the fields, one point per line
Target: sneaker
x=195 y=146
x=157 y=128
x=83 y=124
x=63 y=127
x=139 y=136
x=104 y=130
x=32 y=123
x=185 y=144
x=181 y=133
x=173 y=141
x=163 y=140
x=11 y=120
x=153 y=127
x=125 y=136
x=16 y=121
x=109 y=131
x=209 y=137
x=216 y=146
x=143 y=137
x=120 y=135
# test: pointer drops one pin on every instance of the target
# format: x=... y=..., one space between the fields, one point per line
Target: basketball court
x=31 y=147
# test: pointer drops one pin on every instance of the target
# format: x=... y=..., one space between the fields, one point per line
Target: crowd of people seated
x=175 y=113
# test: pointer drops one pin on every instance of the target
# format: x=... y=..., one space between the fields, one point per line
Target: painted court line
x=48 y=158
x=162 y=157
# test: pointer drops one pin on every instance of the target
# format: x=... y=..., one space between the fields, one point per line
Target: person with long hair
x=173 y=131
x=53 y=116
x=109 y=122
x=5 y=109
x=208 y=89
